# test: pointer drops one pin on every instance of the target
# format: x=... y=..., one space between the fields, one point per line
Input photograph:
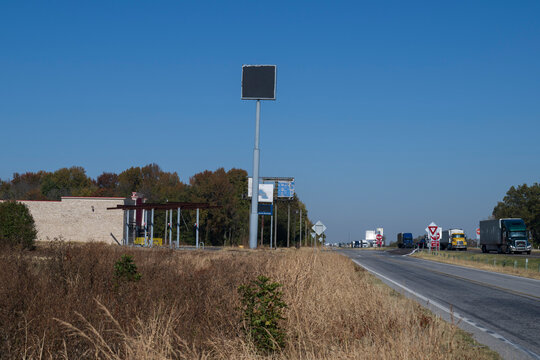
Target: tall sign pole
x=253 y=218
x=258 y=83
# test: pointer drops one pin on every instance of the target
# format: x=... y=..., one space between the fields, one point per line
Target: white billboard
x=266 y=191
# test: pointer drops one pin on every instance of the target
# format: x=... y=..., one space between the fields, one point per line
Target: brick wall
x=78 y=219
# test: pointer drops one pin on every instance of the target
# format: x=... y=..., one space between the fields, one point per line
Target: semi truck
x=508 y=235
x=405 y=240
x=453 y=239
x=371 y=237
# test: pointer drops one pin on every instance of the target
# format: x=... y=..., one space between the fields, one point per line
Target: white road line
x=451 y=313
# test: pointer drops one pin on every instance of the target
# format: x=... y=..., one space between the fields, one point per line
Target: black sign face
x=259 y=82
x=265 y=208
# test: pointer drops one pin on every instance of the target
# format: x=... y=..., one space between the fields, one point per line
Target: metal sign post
x=253 y=218
x=178 y=229
x=258 y=83
x=197 y=231
x=271 y=228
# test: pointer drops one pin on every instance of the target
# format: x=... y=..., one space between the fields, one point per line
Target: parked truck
x=453 y=239
x=504 y=235
x=405 y=240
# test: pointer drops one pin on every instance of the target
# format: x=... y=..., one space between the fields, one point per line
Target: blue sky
x=388 y=114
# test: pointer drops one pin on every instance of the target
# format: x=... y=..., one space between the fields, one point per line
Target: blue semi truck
x=405 y=240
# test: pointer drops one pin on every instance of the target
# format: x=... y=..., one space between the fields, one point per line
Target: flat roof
x=94 y=197
x=165 y=206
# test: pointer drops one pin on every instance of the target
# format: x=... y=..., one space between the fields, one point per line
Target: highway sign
x=379 y=239
x=258 y=82
x=285 y=189
x=265 y=208
x=434 y=232
x=434 y=235
x=319 y=228
x=266 y=191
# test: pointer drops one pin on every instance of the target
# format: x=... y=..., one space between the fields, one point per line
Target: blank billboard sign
x=258 y=82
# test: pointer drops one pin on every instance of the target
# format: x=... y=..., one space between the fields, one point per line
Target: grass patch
x=61 y=301
x=508 y=264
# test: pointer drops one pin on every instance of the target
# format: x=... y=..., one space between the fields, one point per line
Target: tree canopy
x=522 y=202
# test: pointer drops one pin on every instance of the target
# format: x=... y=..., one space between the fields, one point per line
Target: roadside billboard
x=266 y=191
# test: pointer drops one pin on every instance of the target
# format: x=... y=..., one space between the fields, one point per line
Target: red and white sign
x=379 y=239
x=434 y=235
x=477 y=234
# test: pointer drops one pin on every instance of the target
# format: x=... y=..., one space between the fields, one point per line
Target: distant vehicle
x=422 y=242
x=405 y=240
x=504 y=235
x=453 y=239
x=360 y=244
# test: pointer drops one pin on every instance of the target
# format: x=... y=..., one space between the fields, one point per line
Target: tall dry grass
x=61 y=302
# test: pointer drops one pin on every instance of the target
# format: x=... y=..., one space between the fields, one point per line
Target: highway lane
x=502 y=311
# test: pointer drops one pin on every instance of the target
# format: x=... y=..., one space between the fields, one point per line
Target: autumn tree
x=107 y=185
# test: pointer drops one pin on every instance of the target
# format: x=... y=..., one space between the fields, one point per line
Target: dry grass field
x=61 y=302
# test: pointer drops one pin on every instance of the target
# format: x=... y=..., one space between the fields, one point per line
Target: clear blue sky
x=389 y=114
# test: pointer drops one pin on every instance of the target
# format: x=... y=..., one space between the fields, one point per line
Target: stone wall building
x=79 y=219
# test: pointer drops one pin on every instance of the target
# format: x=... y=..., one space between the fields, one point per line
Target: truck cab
x=457 y=239
x=515 y=236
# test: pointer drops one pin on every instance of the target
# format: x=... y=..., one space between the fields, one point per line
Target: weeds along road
x=502 y=311
x=534 y=254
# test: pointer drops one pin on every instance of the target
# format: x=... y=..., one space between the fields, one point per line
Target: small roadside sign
x=478 y=234
x=379 y=239
x=434 y=235
x=319 y=228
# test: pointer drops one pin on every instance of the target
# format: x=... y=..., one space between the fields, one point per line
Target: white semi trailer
x=371 y=237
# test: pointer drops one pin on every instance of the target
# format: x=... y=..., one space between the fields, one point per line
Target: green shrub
x=16 y=225
x=262 y=312
x=125 y=270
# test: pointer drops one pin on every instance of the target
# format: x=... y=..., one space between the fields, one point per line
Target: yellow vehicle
x=453 y=239
x=140 y=241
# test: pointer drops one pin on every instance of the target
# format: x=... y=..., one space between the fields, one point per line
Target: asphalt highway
x=501 y=311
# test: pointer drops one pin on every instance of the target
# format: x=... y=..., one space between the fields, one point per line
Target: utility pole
x=275 y=226
x=300 y=227
x=288 y=222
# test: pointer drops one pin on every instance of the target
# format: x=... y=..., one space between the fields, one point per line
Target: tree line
x=522 y=202
x=226 y=225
